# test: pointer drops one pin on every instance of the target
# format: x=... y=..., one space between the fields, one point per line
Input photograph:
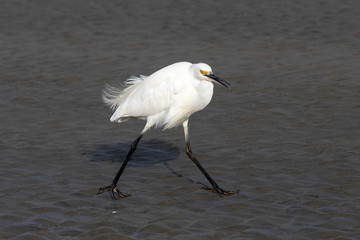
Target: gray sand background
x=287 y=135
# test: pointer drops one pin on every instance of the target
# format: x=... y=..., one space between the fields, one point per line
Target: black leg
x=197 y=163
x=112 y=188
x=216 y=188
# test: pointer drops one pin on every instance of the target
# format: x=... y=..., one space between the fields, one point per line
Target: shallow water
x=286 y=135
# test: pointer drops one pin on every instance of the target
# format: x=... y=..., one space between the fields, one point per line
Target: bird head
x=204 y=72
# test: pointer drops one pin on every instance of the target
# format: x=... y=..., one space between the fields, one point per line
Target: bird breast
x=196 y=97
x=188 y=101
x=204 y=94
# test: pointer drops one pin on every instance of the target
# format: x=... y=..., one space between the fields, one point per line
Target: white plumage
x=164 y=99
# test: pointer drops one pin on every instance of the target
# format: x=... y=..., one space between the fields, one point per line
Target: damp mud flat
x=286 y=135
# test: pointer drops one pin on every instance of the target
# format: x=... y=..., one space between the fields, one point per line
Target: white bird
x=166 y=99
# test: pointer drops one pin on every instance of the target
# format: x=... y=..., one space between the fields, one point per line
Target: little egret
x=166 y=99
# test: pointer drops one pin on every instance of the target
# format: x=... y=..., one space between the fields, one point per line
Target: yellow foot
x=221 y=192
x=114 y=192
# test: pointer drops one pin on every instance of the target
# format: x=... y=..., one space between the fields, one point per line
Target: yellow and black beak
x=217 y=79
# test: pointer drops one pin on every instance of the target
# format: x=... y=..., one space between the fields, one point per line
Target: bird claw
x=114 y=192
x=220 y=192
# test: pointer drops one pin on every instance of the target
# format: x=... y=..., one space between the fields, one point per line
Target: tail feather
x=114 y=96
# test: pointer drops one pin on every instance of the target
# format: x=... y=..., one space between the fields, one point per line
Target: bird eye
x=204 y=72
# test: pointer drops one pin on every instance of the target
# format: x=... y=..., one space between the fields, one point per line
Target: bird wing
x=152 y=95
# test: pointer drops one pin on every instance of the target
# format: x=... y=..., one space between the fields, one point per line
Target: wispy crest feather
x=114 y=96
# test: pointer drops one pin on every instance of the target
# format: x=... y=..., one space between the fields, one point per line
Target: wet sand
x=286 y=135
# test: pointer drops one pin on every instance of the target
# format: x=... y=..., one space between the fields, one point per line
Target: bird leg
x=216 y=189
x=114 y=192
